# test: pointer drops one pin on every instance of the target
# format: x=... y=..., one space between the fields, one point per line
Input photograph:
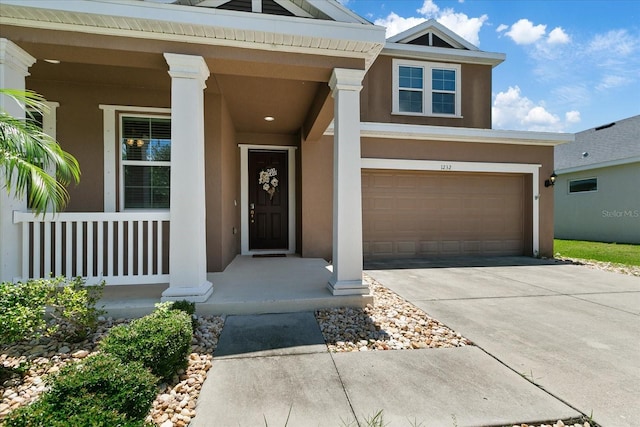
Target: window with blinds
x=145 y=162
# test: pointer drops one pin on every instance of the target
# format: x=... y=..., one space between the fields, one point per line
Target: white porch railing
x=119 y=248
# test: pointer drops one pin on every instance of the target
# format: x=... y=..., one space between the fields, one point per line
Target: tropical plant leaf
x=26 y=153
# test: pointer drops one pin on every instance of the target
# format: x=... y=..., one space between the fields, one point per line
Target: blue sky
x=571 y=64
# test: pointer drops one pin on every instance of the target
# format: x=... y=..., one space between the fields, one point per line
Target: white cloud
x=558 y=36
x=512 y=110
x=538 y=116
x=465 y=27
x=428 y=9
x=501 y=28
x=524 y=32
x=461 y=24
x=572 y=117
x=618 y=42
x=612 y=81
x=396 y=24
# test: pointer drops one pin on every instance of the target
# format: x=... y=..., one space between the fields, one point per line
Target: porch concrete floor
x=247 y=286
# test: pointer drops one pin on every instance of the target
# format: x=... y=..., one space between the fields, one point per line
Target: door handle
x=252 y=212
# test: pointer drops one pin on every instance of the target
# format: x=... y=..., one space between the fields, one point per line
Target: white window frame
x=122 y=163
x=427 y=90
x=569 y=181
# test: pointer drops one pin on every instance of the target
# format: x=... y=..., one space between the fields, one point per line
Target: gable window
x=145 y=162
x=583 y=185
x=426 y=88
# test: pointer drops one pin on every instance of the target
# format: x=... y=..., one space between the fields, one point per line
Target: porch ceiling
x=253 y=89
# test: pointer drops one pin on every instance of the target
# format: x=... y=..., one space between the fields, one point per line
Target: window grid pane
x=146 y=138
x=410 y=101
x=411 y=77
x=443 y=80
x=443 y=103
x=146 y=186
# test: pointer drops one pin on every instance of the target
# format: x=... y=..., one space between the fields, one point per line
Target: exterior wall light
x=551 y=181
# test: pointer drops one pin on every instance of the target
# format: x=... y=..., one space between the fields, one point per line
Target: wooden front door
x=268 y=200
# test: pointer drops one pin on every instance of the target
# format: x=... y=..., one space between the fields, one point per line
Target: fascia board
x=611 y=163
x=204 y=17
x=442 y=54
x=458 y=134
x=435 y=27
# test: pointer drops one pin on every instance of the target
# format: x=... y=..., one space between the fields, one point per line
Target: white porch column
x=14 y=66
x=347 y=188
x=187 y=240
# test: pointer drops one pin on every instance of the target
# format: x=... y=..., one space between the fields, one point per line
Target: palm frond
x=26 y=153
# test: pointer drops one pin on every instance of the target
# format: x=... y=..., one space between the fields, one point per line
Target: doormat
x=269 y=255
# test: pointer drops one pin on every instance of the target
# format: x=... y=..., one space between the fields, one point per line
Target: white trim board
x=244 y=196
x=446 y=166
x=459 y=134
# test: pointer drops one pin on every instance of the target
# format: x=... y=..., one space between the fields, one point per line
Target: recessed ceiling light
x=52 y=61
x=269 y=118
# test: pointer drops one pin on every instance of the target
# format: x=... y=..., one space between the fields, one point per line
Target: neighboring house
x=597 y=192
x=182 y=115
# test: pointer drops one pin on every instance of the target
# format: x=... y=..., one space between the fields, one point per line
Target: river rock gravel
x=35 y=360
x=390 y=323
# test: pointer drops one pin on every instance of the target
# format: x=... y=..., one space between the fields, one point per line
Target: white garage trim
x=451 y=166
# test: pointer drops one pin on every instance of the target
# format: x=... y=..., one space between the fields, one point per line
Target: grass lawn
x=607 y=252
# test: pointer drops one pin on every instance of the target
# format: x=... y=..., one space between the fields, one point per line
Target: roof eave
x=600 y=165
x=443 y=54
x=198 y=25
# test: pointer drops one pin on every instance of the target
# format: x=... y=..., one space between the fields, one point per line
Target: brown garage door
x=421 y=214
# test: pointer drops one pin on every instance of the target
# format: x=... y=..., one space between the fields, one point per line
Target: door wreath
x=267 y=179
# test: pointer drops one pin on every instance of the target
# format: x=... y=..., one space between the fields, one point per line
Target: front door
x=268 y=200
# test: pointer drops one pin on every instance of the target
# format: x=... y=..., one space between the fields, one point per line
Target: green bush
x=22 y=309
x=72 y=305
x=189 y=308
x=98 y=391
x=43 y=413
x=160 y=340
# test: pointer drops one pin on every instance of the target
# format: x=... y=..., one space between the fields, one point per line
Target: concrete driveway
x=572 y=330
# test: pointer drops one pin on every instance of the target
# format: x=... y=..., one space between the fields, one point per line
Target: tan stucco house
x=206 y=129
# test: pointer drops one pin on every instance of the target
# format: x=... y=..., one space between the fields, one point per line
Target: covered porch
x=215 y=91
x=249 y=285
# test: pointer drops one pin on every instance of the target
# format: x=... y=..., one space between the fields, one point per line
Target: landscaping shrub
x=101 y=390
x=189 y=308
x=74 y=308
x=22 y=309
x=44 y=414
x=160 y=340
x=72 y=305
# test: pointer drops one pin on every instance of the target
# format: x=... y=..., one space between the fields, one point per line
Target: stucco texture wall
x=610 y=214
x=376 y=98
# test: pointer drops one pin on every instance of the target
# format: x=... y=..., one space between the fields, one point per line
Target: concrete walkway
x=270 y=367
x=570 y=329
x=574 y=331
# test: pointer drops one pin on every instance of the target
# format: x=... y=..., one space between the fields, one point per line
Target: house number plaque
x=445 y=167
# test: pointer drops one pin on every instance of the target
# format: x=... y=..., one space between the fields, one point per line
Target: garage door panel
x=417 y=214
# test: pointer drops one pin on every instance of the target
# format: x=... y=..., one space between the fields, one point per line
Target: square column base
x=192 y=293
x=348 y=287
